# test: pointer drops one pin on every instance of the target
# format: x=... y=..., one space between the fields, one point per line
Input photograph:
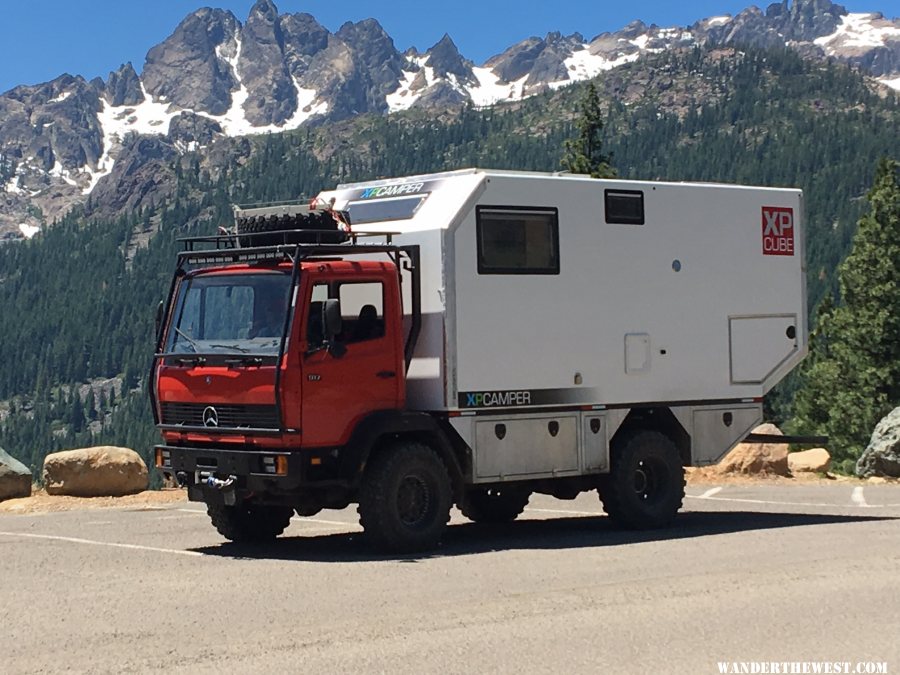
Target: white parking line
x=75 y=540
x=709 y=493
x=779 y=503
x=566 y=511
x=309 y=521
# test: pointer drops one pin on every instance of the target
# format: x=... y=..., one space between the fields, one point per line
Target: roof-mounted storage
x=291 y=223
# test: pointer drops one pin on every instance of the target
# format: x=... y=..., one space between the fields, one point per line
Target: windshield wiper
x=234 y=347
x=191 y=341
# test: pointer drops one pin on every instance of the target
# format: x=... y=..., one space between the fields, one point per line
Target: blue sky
x=42 y=39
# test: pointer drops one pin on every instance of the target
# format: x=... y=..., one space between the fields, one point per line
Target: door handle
x=384 y=374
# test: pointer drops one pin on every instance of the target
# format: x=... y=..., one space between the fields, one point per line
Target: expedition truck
x=471 y=338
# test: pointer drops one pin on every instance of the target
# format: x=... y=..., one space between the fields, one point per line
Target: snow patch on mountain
x=491 y=89
x=12 y=187
x=862 y=31
x=892 y=83
x=583 y=65
x=28 y=231
x=404 y=97
x=59 y=171
x=716 y=21
x=62 y=97
x=151 y=117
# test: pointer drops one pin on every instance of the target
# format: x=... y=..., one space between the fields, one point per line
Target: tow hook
x=219 y=484
x=226 y=486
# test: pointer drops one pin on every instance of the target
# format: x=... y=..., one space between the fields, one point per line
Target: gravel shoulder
x=41 y=502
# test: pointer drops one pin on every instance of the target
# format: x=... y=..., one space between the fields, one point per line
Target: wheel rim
x=413 y=501
x=649 y=480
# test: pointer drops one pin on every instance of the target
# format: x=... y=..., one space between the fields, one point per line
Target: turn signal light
x=163 y=458
x=281 y=465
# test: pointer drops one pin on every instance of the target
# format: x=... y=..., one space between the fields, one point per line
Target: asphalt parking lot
x=749 y=573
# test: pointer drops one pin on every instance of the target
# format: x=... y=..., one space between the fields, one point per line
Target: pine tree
x=853 y=378
x=584 y=155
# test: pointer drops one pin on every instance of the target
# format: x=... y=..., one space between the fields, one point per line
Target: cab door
x=363 y=371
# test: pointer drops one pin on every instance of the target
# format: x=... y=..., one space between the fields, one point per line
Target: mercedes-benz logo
x=210 y=417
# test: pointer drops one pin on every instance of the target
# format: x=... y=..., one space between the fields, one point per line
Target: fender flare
x=379 y=426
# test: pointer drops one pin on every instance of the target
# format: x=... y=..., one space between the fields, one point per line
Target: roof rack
x=227 y=248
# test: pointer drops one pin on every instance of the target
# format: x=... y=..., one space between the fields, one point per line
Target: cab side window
x=362 y=311
x=362 y=308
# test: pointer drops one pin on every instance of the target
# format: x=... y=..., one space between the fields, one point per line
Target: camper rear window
x=517 y=240
x=383 y=210
x=624 y=207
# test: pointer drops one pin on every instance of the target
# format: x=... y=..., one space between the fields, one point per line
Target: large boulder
x=882 y=456
x=105 y=471
x=817 y=460
x=757 y=458
x=15 y=477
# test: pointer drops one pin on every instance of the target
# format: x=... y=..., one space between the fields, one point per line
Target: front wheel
x=404 y=503
x=243 y=523
x=645 y=488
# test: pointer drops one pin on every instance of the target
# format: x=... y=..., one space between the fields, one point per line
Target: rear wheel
x=404 y=503
x=495 y=505
x=249 y=522
x=645 y=488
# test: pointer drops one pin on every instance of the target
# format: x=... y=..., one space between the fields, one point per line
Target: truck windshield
x=229 y=313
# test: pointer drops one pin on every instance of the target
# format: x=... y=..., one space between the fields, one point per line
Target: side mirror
x=159 y=318
x=334 y=324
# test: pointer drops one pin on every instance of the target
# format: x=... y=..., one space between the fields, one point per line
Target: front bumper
x=274 y=472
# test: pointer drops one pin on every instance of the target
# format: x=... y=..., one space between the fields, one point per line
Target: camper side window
x=517 y=240
x=625 y=207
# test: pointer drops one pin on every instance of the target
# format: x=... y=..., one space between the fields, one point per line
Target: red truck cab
x=217 y=381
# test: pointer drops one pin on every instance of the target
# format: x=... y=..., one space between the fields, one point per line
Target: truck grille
x=226 y=416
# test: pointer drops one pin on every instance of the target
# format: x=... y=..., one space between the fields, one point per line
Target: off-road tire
x=405 y=499
x=645 y=488
x=291 y=229
x=244 y=523
x=494 y=505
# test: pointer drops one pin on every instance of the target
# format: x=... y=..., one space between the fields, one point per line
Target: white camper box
x=555 y=306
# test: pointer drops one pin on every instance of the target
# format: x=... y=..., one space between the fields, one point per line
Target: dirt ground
x=41 y=502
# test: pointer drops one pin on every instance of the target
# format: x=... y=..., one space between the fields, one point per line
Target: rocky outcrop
x=817 y=460
x=123 y=87
x=445 y=60
x=757 y=458
x=142 y=176
x=105 y=471
x=803 y=21
x=190 y=68
x=882 y=456
x=263 y=70
x=441 y=95
x=188 y=128
x=377 y=65
x=51 y=126
x=516 y=62
x=15 y=478
x=303 y=38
